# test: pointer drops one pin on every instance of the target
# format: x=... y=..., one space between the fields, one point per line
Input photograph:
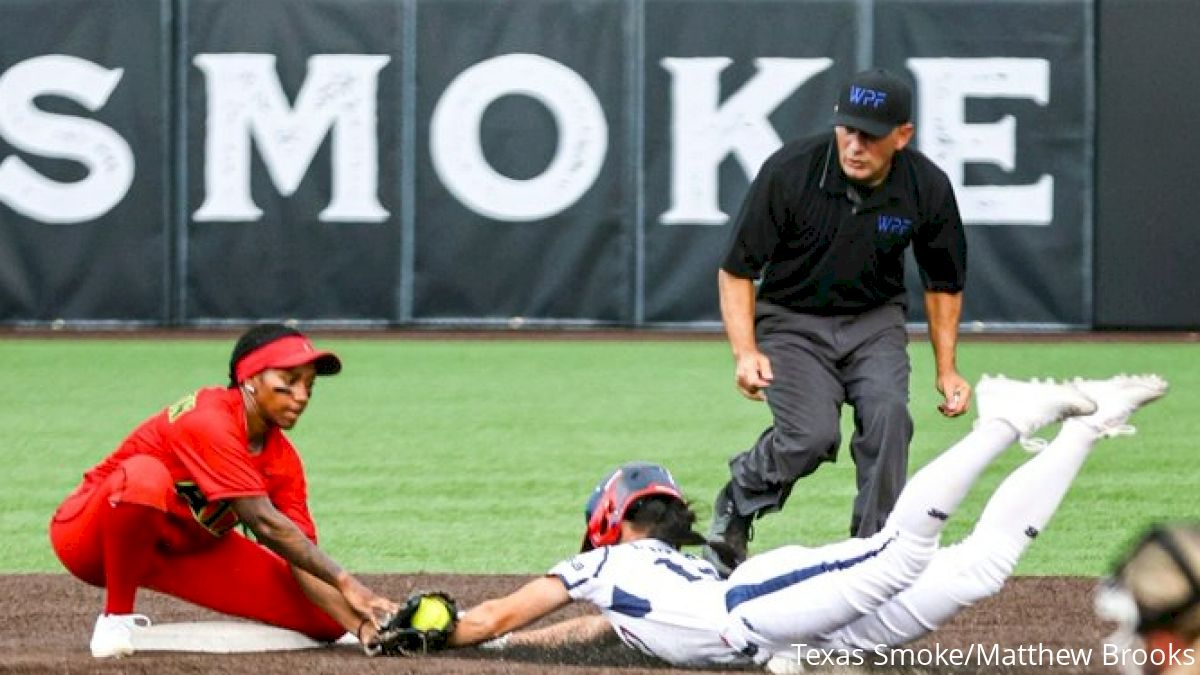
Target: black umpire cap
x=875 y=101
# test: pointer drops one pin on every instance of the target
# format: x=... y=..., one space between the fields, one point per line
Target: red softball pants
x=229 y=574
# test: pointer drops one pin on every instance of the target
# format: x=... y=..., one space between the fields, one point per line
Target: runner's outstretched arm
x=493 y=618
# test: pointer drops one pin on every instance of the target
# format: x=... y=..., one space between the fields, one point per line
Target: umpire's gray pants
x=819 y=363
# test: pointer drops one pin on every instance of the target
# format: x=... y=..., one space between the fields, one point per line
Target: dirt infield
x=47 y=621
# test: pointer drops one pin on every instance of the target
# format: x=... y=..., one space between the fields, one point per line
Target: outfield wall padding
x=1148 y=101
x=504 y=162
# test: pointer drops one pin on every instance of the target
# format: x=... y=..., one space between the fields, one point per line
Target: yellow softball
x=431 y=614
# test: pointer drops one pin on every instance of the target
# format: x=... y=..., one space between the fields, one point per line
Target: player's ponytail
x=670 y=520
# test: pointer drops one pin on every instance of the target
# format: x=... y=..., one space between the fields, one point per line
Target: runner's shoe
x=1027 y=406
x=1117 y=398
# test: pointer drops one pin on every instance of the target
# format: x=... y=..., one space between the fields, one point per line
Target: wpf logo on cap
x=874 y=101
x=862 y=96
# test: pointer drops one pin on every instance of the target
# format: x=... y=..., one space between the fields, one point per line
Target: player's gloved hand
x=422 y=624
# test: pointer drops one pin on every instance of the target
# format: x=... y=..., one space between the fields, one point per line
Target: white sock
x=935 y=491
x=1030 y=495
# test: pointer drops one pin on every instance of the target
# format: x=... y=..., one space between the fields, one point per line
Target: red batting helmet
x=611 y=499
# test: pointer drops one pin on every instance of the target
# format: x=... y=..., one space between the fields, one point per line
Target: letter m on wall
x=246 y=100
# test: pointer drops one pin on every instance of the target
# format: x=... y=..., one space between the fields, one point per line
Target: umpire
x=823 y=230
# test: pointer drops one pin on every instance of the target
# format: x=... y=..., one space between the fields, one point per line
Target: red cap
x=287 y=352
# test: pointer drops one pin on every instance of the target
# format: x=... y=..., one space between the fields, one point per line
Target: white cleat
x=785 y=663
x=113 y=635
x=1029 y=406
x=1117 y=398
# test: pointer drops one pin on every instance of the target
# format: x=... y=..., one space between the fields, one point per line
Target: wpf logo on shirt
x=893 y=225
x=867 y=97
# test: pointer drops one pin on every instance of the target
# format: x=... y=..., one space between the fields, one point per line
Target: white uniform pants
x=957 y=577
x=787 y=595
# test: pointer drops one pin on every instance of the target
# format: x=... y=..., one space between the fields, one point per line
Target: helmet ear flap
x=601 y=528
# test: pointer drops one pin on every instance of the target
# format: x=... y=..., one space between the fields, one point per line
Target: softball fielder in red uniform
x=160 y=511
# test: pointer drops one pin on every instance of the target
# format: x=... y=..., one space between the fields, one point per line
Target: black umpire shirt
x=822 y=245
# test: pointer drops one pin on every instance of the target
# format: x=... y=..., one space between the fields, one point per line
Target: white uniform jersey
x=674 y=606
x=660 y=601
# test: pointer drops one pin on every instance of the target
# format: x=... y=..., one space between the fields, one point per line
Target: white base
x=224 y=637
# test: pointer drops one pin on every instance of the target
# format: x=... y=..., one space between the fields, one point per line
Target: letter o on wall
x=457 y=149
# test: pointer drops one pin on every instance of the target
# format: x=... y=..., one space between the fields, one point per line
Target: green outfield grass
x=463 y=456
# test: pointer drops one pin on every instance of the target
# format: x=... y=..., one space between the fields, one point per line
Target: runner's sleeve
x=582 y=579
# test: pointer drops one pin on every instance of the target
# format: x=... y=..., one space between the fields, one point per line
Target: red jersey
x=202 y=441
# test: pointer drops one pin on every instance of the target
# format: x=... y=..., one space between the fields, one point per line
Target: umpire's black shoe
x=732 y=529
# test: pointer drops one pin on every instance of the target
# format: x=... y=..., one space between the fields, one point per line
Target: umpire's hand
x=957 y=393
x=753 y=375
